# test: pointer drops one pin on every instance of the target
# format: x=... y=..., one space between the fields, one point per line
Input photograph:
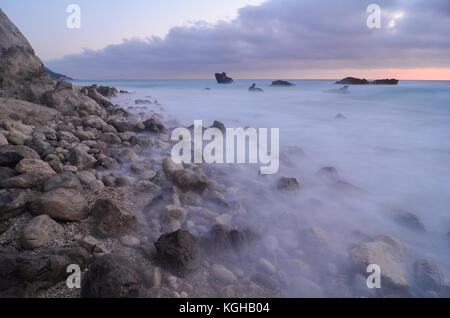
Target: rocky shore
x=84 y=181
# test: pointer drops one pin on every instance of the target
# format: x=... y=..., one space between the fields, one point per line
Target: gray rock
x=66 y=180
x=222 y=275
x=146 y=186
x=191 y=179
x=388 y=253
x=40 y=231
x=6 y=173
x=17 y=138
x=86 y=177
x=111 y=220
x=111 y=276
x=81 y=159
x=154 y=124
x=170 y=167
x=12 y=203
x=60 y=204
x=3 y=141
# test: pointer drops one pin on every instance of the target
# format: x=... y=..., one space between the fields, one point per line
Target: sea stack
x=358 y=81
x=282 y=83
x=222 y=78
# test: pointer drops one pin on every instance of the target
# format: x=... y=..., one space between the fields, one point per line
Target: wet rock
x=222 y=275
x=146 y=186
x=11 y=155
x=429 y=276
x=191 y=179
x=40 y=231
x=289 y=184
x=81 y=159
x=178 y=251
x=60 y=204
x=388 y=253
x=111 y=276
x=112 y=220
x=170 y=167
x=155 y=125
x=12 y=203
x=66 y=180
x=221 y=238
x=408 y=219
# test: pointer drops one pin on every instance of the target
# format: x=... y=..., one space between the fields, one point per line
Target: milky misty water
x=394 y=143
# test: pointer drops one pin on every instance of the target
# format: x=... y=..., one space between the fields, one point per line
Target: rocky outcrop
x=358 y=81
x=22 y=74
x=255 y=89
x=223 y=78
x=282 y=83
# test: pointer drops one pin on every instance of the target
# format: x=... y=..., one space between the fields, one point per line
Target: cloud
x=280 y=35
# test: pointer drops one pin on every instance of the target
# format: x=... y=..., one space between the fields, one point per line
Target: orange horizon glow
x=413 y=74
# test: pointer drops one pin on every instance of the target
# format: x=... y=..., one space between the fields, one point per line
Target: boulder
x=60 y=204
x=111 y=220
x=289 y=184
x=11 y=155
x=408 y=219
x=222 y=275
x=178 y=251
x=223 y=78
x=282 y=83
x=35 y=166
x=81 y=159
x=170 y=167
x=253 y=88
x=173 y=212
x=40 y=231
x=30 y=273
x=352 y=81
x=12 y=203
x=111 y=276
x=191 y=179
x=66 y=180
x=146 y=186
x=155 y=125
x=17 y=138
x=388 y=253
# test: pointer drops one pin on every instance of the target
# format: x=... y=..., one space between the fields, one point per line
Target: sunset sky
x=152 y=39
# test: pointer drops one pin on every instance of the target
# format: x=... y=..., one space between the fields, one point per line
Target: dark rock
x=178 y=251
x=11 y=155
x=122 y=125
x=6 y=173
x=219 y=125
x=253 y=88
x=28 y=274
x=107 y=91
x=385 y=82
x=222 y=238
x=282 y=83
x=288 y=184
x=352 y=81
x=112 y=220
x=142 y=102
x=111 y=276
x=154 y=124
x=124 y=92
x=223 y=78
x=12 y=203
x=40 y=231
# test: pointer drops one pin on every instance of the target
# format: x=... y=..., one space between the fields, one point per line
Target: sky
x=153 y=39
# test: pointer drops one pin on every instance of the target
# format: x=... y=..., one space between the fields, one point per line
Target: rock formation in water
x=282 y=83
x=358 y=81
x=223 y=78
x=255 y=89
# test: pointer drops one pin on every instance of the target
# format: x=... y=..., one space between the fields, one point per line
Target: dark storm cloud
x=281 y=35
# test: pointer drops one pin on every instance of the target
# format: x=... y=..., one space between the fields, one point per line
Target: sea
x=390 y=146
